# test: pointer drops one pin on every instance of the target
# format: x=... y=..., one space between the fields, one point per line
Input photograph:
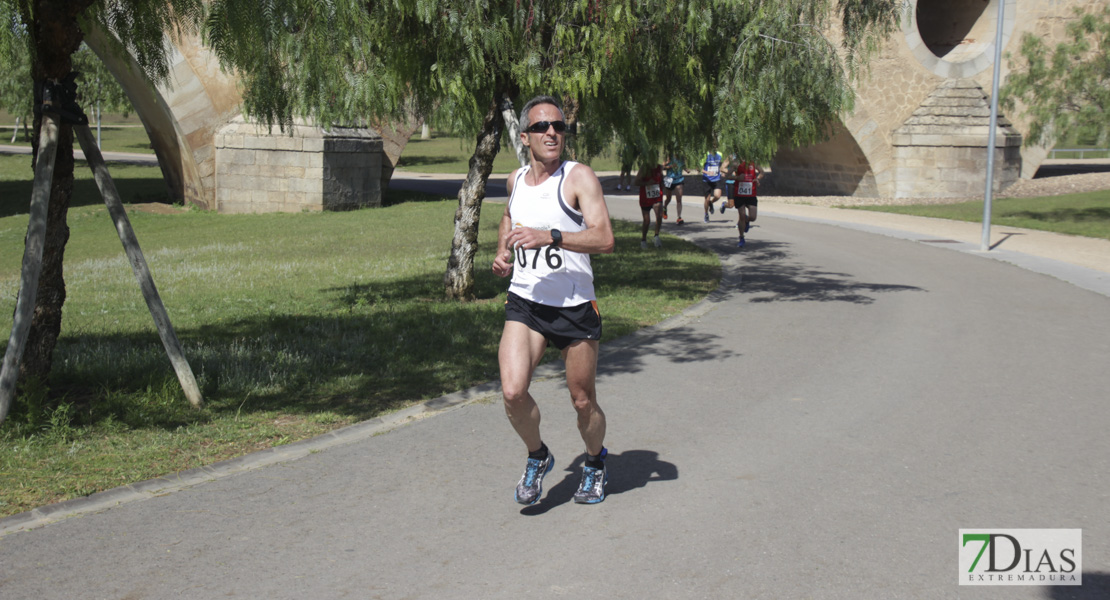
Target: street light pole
x=985 y=245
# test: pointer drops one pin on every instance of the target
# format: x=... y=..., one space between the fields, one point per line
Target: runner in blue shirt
x=711 y=175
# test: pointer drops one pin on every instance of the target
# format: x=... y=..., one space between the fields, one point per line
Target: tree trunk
x=459 y=278
x=512 y=125
x=56 y=37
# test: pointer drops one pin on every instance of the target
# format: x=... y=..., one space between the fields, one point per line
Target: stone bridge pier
x=922 y=116
x=212 y=159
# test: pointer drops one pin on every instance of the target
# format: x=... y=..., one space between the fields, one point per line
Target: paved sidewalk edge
x=1088 y=279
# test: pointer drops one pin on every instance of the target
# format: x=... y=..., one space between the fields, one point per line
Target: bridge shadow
x=629 y=470
x=15 y=196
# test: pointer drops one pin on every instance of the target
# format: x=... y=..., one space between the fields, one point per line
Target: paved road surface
x=820 y=427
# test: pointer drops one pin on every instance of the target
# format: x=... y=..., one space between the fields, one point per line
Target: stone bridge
x=919 y=128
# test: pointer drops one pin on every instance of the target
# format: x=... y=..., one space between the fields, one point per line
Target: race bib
x=713 y=169
x=540 y=261
x=668 y=181
x=744 y=188
x=652 y=191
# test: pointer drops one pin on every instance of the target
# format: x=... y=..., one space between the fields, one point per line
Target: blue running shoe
x=592 y=488
x=530 y=487
x=740 y=244
x=707 y=218
x=747 y=226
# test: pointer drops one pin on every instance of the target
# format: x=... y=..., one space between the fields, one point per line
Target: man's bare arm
x=503 y=258
x=598 y=236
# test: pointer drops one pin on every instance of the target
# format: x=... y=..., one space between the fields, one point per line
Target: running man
x=744 y=199
x=555 y=218
x=711 y=176
x=729 y=173
x=649 y=178
x=672 y=185
x=628 y=156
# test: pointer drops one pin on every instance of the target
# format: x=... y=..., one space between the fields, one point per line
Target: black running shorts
x=561 y=326
x=746 y=201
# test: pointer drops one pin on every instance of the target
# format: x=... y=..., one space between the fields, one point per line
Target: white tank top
x=549 y=275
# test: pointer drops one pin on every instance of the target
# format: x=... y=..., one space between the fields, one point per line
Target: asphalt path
x=819 y=427
x=445 y=185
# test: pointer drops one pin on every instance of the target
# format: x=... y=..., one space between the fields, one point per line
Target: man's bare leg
x=520 y=351
x=581 y=362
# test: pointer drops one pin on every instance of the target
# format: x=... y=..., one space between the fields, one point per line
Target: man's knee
x=514 y=394
x=584 y=402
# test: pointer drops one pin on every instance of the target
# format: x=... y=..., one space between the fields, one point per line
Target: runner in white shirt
x=556 y=217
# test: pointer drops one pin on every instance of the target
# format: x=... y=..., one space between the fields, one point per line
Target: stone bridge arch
x=921 y=121
x=181 y=118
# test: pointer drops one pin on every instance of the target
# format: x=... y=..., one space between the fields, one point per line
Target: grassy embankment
x=1086 y=214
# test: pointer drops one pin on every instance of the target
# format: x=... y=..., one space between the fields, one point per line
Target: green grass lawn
x=295 y=324
x=1086 y=214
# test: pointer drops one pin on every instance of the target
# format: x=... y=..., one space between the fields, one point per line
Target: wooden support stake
x=32 y=261
x=138 y=264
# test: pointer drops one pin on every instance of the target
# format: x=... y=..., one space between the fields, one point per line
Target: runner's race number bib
x=713 y=170
x=668 y=181
x=541 y=261
x=652 y=191
x=744 y=188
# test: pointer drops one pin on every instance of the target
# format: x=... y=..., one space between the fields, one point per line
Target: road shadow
x=1096 y=586
x=629 y=470
x=1005 y=237
x=770 y=274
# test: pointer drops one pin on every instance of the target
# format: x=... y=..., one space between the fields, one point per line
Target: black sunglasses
x=541 y=126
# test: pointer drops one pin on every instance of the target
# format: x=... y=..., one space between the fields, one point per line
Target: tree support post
x=32 y=261
x=138 y=264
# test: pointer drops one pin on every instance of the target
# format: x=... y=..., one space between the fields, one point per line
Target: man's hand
x=527 y=238
x=503 y=263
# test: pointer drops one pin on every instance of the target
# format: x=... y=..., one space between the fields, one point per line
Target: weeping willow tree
x=755 y=73
x=51 y=32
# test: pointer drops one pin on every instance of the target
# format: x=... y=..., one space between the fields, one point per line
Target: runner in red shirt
x=650 y=179
x=745 y=199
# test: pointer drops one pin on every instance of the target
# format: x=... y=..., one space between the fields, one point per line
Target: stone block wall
x=306 y=168
x=836 y=167
x=952 y=171
x=941 y=150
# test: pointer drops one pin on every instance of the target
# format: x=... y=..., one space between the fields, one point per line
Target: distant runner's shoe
x=658 y=244
x=740 y=244
x=706 y=218
x=747 y=226
x=643 y=244
x=531 y=483
x=710 y=208
x=680 y=222
x=592 y=488
x=664 y=214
